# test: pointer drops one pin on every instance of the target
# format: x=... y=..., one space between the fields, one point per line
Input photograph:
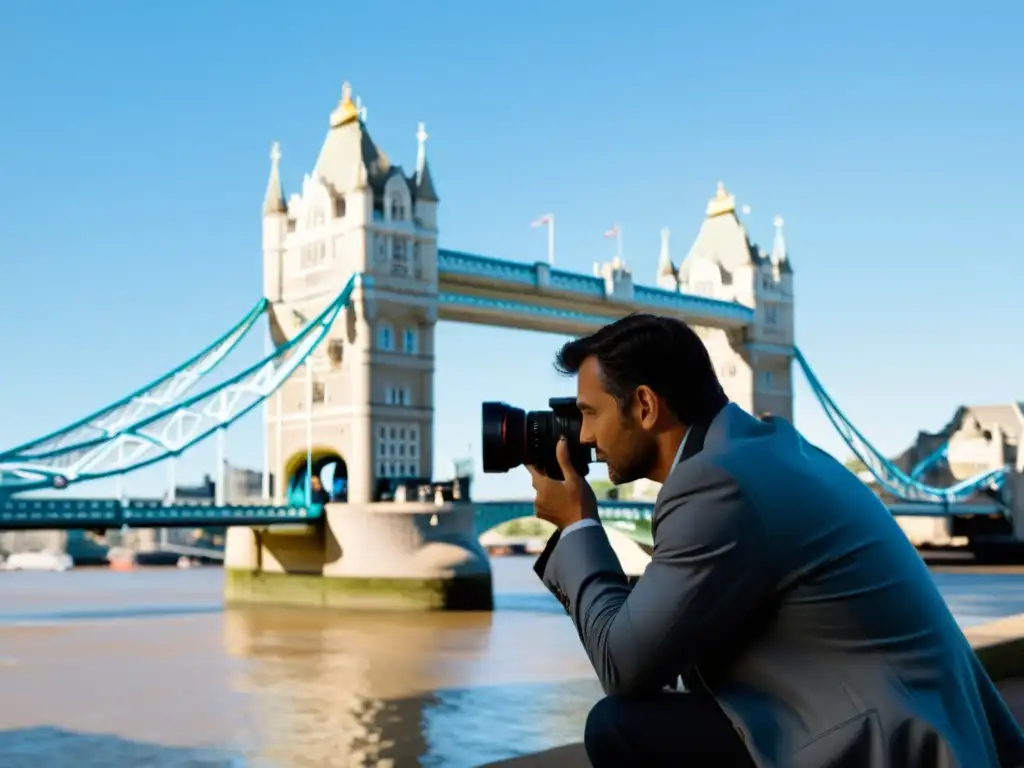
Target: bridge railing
x=102 y=514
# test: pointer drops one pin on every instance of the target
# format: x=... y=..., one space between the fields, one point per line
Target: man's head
x=641 y=382
x=315 y=484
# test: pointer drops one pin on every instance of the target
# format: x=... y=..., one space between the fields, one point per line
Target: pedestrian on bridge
x=784 y=619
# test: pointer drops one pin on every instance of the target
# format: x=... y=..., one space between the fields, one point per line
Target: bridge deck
x=481 y=289
x=97 y=514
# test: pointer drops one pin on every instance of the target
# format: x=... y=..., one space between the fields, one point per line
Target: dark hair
x=661 y=352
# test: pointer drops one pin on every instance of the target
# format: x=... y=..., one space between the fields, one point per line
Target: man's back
x=851 y=657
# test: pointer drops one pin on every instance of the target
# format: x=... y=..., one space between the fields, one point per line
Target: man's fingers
x=572 y=477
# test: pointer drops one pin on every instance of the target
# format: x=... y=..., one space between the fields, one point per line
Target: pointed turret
x=349 y=160
x=347 y=110
x=275 y=228
x=424 y=187
x=779 y=255
x=722 y=242
x=721 y=203
x=667 y=278
x=273 y=200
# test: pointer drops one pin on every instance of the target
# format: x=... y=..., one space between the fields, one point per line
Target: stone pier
x=379 y=556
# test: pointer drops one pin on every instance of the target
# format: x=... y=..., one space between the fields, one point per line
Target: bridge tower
x=365 y=400
x=755 y=366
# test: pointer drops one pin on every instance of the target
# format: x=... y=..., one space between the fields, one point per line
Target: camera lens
x=504 y=437
x=512 y=437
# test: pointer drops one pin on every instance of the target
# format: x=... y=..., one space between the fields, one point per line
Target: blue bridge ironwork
x=163 y=420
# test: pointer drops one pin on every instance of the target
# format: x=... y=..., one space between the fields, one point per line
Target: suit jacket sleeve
x=705 y=576
x=1006 y=733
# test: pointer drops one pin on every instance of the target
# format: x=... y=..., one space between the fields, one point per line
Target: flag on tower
x=613 y=232
x=545 y=219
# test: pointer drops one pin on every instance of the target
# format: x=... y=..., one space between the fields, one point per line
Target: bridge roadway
x=632 y=518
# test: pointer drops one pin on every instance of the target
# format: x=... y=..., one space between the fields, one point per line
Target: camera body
x=513 y=436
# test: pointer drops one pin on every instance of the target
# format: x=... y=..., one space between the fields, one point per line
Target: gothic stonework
x=756 y=365
x=369 y=387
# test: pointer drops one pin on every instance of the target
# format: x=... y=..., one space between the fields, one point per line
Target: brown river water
x=147 y=668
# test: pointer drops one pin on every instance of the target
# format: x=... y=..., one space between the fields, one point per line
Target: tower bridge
x=354 y=284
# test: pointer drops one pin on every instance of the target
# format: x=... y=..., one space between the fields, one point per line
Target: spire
x=665 y=266
x=424 y=183
x=721 y=203
x=421 y=150
x=668 y=278
x=346 y=111
x=779 y=255
x=273 y=200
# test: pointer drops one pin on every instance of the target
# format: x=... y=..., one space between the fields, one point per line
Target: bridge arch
x=631 y=546
x=327 y=464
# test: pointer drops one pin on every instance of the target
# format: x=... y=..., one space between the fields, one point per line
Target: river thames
x=147 y=668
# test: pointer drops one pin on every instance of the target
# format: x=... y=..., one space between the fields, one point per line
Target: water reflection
x=57 y=748
x=400 y=690
x=977 y=598
x=147 y=668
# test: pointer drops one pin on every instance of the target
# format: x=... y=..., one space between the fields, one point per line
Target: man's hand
x=563 y=502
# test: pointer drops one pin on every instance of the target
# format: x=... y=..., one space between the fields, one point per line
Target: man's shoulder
x=723 y=461
x=747 y=466
x=702 y=488
x=707 y=468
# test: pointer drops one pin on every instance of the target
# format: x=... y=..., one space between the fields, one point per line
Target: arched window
x=410 y=341
x=385 y=337
x=399 y=256
x=398 y=396
x=339 y=207
x=397 y=208
x=315 y=217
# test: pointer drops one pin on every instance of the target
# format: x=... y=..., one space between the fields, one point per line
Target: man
x=803 y=624
x=318 y=493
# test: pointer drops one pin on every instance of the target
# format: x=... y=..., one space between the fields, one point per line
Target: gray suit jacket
x=782 y=586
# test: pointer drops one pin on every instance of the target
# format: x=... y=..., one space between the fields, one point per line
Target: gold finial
x=346 y=111
x=721 y=203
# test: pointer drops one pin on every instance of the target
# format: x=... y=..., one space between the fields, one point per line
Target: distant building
x=980 y=438
x=242 y=486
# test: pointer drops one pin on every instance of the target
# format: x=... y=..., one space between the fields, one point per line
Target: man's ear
x=647 y=405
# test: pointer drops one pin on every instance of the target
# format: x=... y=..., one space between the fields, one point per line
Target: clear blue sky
x=133 y=154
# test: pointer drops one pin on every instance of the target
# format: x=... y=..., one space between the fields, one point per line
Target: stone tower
x=364 y=401
x=756 y=367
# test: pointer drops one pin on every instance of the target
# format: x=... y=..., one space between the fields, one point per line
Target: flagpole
x=549 y=220
x=551 y=239
x=309 y=433
x=618 y=242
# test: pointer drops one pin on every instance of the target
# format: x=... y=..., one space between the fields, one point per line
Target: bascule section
x=364 y=403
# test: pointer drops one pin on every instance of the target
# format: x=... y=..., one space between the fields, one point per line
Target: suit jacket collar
x=693 y=441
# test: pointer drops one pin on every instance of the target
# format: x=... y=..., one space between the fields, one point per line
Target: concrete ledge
x=999 y=645
x=455 y=593
x=570 y=756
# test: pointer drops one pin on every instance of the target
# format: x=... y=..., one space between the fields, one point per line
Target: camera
x=512 y=436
